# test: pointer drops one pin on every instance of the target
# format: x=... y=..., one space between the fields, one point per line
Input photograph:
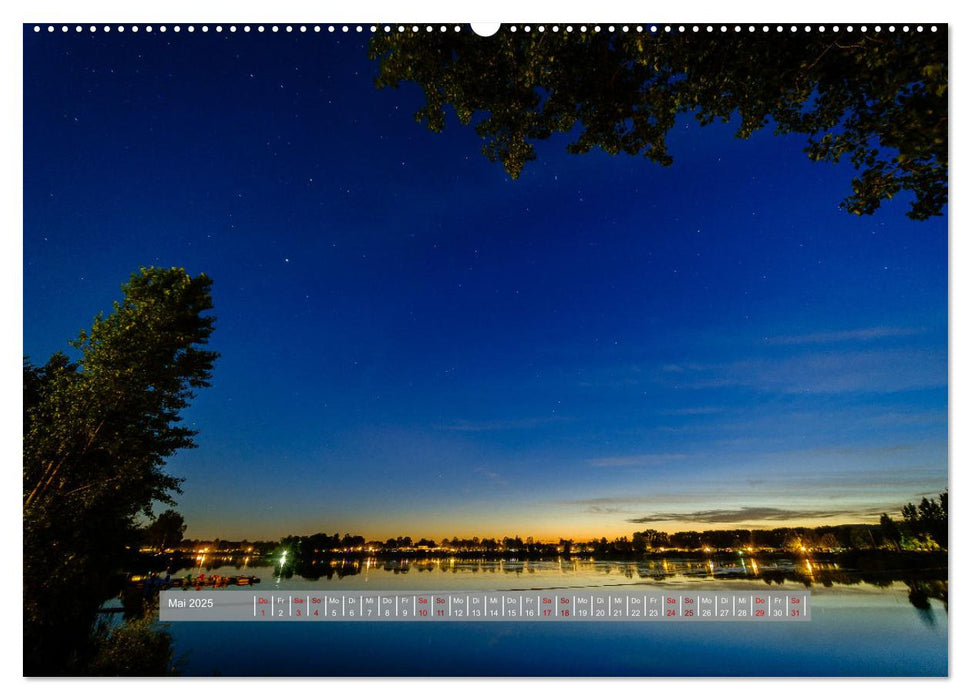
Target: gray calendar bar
x=480 y=606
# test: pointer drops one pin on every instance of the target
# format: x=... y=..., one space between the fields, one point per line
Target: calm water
x=877 y=628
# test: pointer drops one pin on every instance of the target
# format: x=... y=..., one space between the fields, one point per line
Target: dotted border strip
x=510 y=28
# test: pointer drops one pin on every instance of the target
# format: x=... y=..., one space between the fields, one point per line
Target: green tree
x=890 y=532
x=135 y=648
x=828 y=542
x=877 y=100
x=794 y=542
x=166 y=531
x=97 y=431
x=652 y=539
x=928 y=520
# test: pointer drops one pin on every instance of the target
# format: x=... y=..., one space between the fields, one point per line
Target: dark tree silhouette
x=96 y=435
x=877 y=100
x=166 y=531
x=928 y=519
x=889 y=531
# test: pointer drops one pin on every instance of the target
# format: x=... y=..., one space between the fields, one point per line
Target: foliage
x=927 y=521
x=877 y=100
x=828 y=541
x=651 y=539
x=890 y=532
x=135 y=648
x=166 y=531
x=96 y=435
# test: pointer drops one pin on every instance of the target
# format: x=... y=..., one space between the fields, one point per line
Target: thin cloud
x=750 y=514
x=466 y=426
x=613 y=510
x=865 y=451
x=871 y=371
x=637 y=503
x=864 y=334
x=608 y=501
x=841 y=492
x=490 y=475
x=641 y=460
x=698 y=411
x=910 y=418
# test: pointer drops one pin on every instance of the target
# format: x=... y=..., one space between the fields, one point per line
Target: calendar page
x=446 y=349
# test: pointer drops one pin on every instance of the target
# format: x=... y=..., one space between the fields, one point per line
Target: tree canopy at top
x=877 y=99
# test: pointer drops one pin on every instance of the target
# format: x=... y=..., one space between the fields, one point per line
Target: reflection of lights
x=283 y=558
x=755 y=566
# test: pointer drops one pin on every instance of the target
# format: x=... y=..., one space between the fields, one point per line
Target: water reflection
x=922 y=586
x=920 y=594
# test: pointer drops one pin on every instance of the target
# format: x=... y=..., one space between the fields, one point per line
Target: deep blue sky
x=412 y=343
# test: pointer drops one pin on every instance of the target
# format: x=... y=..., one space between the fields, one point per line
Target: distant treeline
x=922 y=527
x=255 y=548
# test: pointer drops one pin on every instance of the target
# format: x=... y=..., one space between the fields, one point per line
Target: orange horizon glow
x=547 y=536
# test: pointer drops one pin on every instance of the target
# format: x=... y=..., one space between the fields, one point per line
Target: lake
x=863 y=624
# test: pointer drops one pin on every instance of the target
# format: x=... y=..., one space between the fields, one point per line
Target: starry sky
x=414 y=344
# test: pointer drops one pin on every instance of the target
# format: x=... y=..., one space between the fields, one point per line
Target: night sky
x=414 y=344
